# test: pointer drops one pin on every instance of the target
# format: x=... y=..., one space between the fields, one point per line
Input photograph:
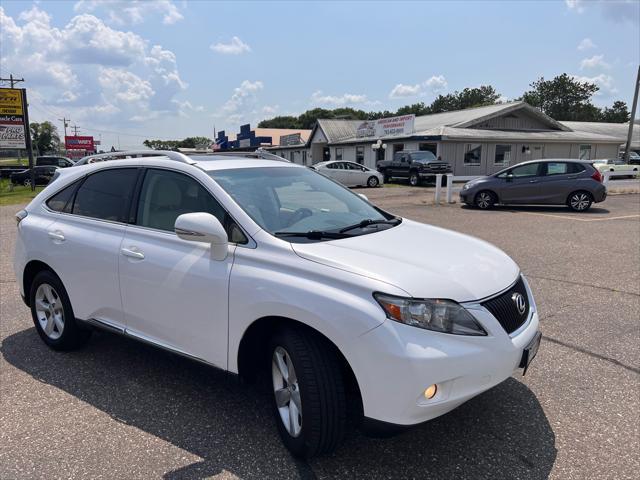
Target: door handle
x=56 y=235
x=533 y=181
x=132 y=252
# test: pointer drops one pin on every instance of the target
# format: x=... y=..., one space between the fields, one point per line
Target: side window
x=557 y=168
x=528 y=170
x=166 y=195
x=106 y=194
x=575 y=168
x=63 y=200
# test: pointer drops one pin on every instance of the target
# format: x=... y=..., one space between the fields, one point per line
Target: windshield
x=285 y=200
x=424 y=156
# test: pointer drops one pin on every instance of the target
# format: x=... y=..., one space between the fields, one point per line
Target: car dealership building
x=475 y=141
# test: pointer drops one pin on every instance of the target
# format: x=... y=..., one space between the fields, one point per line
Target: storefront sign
x=10 y=101
x=386 y=127
x=79 y=143
x=11 y=119
x=291 y=139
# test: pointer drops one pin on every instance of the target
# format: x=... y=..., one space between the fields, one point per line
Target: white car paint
x=178 y=297
x=350 y=174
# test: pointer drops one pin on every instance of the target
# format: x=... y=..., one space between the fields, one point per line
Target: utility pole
x=627 y=147
x=12 y=80
x=75 y=129
x=27 y=137
x=65 y=121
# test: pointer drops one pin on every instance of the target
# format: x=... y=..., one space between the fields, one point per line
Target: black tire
x=580 y=201
x=321 y=389
x=414 y=179
x=372 y=182
x=26 y=183
x=386 y=176
x=72 y=336
x=485 y=200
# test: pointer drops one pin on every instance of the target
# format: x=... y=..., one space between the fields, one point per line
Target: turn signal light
x=431 y=391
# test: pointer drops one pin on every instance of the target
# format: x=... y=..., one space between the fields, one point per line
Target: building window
x=473 y=153
x=585 y=152
x=293 y=156
x=398 y=147
x=360 y=155
x=338 y=153
x=428 y=147
x=503 y=155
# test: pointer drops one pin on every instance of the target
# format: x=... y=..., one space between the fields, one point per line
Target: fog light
x=431 y=391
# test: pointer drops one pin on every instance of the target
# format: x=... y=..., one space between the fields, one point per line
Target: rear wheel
x=414 y=179
x=308 y=393
x=580 y=201
x=27 y=182
x=372 y=182
x=52 y=313
x=485 y=200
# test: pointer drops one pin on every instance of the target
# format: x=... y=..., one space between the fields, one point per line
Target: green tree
x=308 y=119
x=44 y=137
x=194 y=142
x=161 y=144
x=617 y=113
x=467 y=98
x=417 y=109
x=564 y=98
x=286 y=121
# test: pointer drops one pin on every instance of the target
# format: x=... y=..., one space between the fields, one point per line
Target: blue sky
x=129 y=70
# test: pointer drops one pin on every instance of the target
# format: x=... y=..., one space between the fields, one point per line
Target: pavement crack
x=592 y=354
x=582 y=284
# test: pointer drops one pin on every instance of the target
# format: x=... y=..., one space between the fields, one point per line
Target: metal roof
x=617 y=130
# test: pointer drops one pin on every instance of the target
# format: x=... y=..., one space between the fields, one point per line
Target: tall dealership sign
x=77 y=142
x=387 y=127
x=12 y=121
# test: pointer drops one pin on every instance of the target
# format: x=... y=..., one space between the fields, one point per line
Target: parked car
x=414 y=166
x=634 y=158
x=574 y=183
x=268 y=269
x=48 y=160
x=43 y=176
x=616 y=166
x=350 y=174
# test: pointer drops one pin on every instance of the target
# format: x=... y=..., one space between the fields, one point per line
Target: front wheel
x=485 y=200
x=27 y=182
x=308 y=392
x=580 y=201
x=414 y=179
x=372 y=182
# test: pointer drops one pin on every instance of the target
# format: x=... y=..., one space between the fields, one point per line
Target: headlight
x=431 y=314
x=466 y=186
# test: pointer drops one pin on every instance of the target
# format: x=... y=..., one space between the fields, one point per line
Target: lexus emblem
x=520 y=302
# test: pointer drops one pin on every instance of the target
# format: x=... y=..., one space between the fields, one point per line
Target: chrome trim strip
x=188 y=233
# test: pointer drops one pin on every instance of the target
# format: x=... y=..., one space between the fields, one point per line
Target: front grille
x=504 y=307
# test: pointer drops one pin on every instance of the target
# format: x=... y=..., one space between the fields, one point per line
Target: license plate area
x=529 y=352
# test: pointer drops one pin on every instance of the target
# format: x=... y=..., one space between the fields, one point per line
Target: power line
x=12 y=80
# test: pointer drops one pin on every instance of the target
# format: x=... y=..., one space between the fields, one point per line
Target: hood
x=422 y=260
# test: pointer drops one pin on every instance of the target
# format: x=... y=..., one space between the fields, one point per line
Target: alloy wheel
x=413 y=180
x=373 y=182
x=286 y=391
x=49 y=310
x=579 y=201
x=484 y=200
x=27 y=183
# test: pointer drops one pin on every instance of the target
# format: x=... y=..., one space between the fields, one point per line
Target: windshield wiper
x=369 y=221
x=313 y=234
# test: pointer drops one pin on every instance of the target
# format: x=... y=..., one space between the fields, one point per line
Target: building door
x=326 y=154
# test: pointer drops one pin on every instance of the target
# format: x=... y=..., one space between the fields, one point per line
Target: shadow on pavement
x=500 y=434
x=557 y=209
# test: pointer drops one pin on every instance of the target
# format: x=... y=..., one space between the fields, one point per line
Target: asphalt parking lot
x=117 y=409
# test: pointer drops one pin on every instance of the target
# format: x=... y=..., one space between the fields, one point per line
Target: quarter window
x=63 y=200
x=106 y=194
x=585 y=152
x=557 y=168
x=338 y=153
x=360 y=154
x=166 y=195
x=503 y=155
x=473 y=154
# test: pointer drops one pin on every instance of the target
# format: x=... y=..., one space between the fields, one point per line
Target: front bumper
x=427 y=174
x=408 y=359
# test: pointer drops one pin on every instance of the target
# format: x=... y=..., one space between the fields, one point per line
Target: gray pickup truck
x=413 y=165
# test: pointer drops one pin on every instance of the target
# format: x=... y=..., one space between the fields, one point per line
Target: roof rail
x=259 y=153
x=101 y=157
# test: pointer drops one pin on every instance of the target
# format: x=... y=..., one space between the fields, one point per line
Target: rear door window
x=106 y=195
x=529 y=170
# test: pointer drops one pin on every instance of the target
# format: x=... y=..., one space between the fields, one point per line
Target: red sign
x=79 y=143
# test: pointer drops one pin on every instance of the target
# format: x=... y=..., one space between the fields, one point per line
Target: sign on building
x=387 y=127
x=291 y=139
x=12 y=133
x=78 y=142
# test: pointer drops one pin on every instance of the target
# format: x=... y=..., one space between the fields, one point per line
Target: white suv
x=268 y=269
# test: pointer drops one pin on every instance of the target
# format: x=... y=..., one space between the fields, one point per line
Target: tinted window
x=62 y=201
x=576 y=168
x=528 y=170
x=424 y=156
x=106 y=194
x=557 y=168
x=166 y=195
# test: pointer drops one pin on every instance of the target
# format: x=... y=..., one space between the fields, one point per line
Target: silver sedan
x=350 y=174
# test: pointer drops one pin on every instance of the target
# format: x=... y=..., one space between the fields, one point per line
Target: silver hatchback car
x=574 y=183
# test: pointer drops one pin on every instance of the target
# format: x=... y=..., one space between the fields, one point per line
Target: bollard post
x=605 y=178
x=449 y=187
x=438 y=187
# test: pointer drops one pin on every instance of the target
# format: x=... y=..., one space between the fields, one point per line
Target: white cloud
x=318 y=98
x=604 y=81
x=618 y=11
x=435 y=84
x=95 y=72
x=575 y=5
x=234 y=47
x=125 y=12
x=586 y=44
x=270 y=109
x=243 y=98
x=597 y=61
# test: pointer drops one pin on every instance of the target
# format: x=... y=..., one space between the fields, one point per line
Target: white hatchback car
x=350 y=174
x=265 y=268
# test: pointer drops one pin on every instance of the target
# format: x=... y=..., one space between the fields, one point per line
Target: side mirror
x=205 y=228
x=509 y=177
x=363 y=169
x=363 y=196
